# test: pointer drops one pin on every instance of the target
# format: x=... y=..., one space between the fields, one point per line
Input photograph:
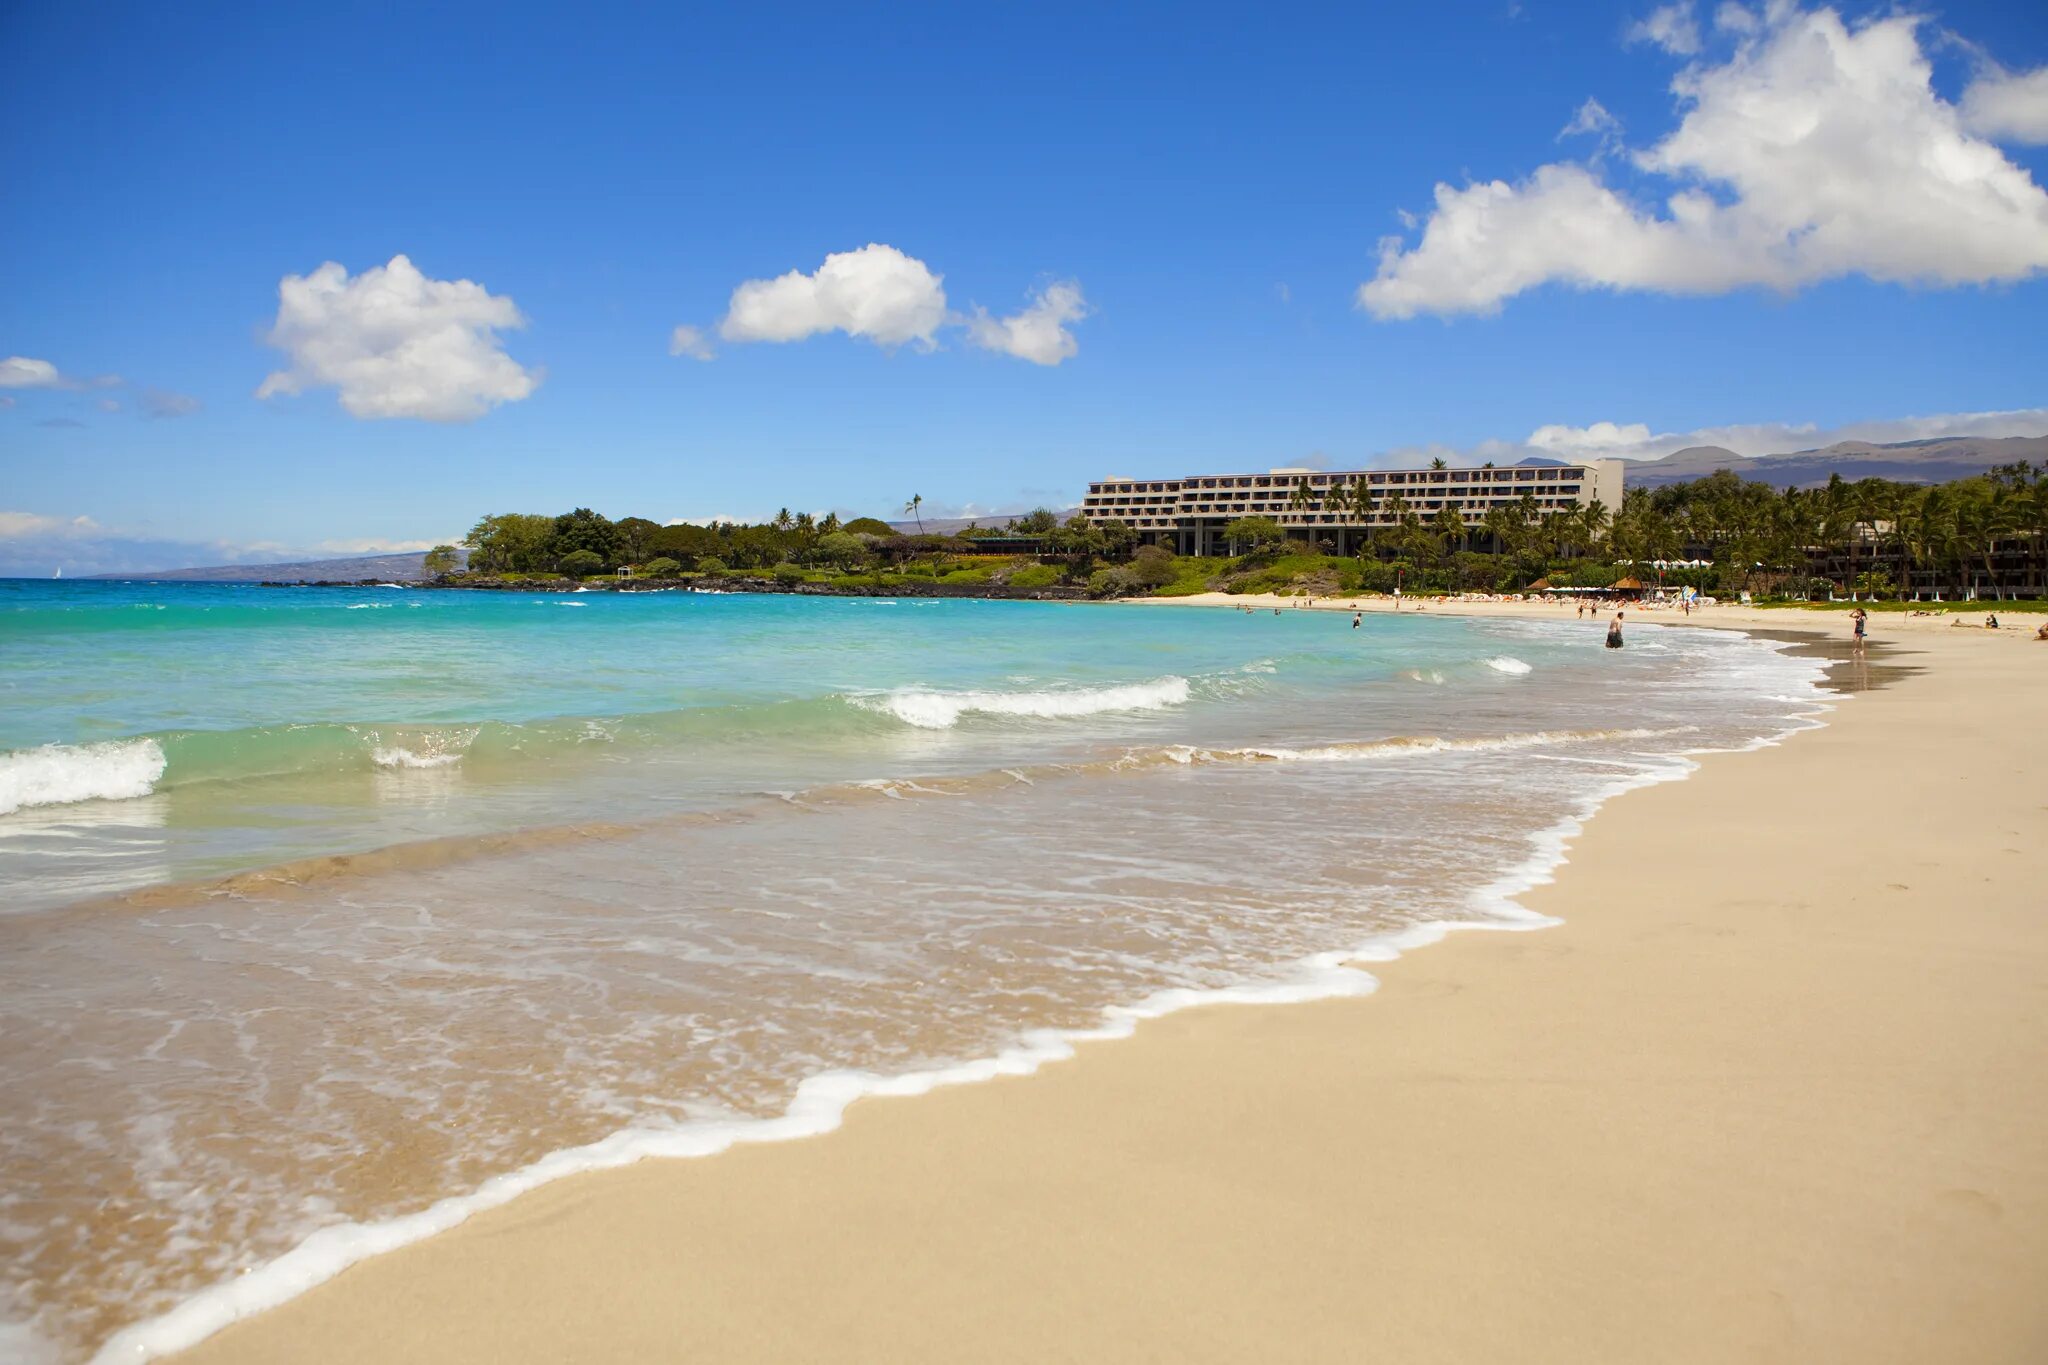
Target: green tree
x=1154 y=566
x=663 y=567
x=636 y=538
x=510 y=542
x=438 y=561
x=841 y=550
x=1117 y=539
x=584 y=530
x=1037 y=522
x=915 y=509
x=868 y=526
x=1255 y=535
x=581 y=563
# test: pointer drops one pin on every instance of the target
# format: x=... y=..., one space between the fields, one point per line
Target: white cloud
x=2010 y=106
x=1589 y=440
x=691 y=341
x=876 y=292
x=1813 y=151
x=161 y=403
x=1671 y=27
x=30 y=526
x=1592 y=117
x=21 y=372
x=108 y=404
x=1038 y=334
x=371 y=546
x=394 y=343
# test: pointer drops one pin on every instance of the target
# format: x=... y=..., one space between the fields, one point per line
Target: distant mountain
x=1931 y=461
x=405 y=568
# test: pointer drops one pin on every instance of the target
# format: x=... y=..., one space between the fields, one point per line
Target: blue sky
x=1212 y=186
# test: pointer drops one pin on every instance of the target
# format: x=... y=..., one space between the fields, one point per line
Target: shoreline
x=243 y=1340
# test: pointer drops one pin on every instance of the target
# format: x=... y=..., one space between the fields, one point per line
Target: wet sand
x=1777 y=1090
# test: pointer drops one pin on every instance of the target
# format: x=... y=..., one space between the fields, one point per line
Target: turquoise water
x=324 y=905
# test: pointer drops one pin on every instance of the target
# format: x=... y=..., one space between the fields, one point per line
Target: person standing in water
x=1614 y=632
x=1862 y=620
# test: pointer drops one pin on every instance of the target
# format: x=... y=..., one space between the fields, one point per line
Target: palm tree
x=1448 y=528
x=1439 y=463
x=914 y=508
x=1301 y=497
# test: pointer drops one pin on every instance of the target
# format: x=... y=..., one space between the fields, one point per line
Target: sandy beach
x=1776 y=1090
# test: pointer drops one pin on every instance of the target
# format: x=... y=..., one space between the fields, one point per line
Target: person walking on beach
x=1862 y=620
x=1614 y=632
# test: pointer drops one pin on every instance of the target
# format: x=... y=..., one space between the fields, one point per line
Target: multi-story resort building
x=1188 y=515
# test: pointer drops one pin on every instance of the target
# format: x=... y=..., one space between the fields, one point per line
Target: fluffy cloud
x=1813 y=151
x=885 y=296
x=394 y=343
x=20 y=372
x=2010 y=106
x=1038 y=334
x=29 y=525
x=691 y=341
x=876 y=292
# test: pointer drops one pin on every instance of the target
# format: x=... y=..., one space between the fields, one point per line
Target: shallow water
x=329 y=903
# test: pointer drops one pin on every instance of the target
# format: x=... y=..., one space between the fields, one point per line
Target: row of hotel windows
x=1317 y=518
x=1427 y=476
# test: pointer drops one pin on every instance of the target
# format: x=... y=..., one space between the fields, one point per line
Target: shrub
x=580 y=563
x=1153 y=566
x=1037 y=576
x=661 y=568
x=1112 y=583
x=712 y=564
x=788 y=573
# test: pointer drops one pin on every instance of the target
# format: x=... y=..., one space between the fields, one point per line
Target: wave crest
x=930 y=710
x=58 y=774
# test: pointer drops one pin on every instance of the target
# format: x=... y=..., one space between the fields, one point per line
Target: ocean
x=331 y=915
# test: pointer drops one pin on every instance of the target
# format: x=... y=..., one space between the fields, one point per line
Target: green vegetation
x=439 y=560
x=1873 y=539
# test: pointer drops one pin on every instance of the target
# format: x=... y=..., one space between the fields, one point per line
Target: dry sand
x=1776 y=1091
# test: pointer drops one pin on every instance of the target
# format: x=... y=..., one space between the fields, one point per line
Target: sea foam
x=57 y=774
x=942 y=710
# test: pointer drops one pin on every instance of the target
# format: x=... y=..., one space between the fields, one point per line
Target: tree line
x=1872 y=537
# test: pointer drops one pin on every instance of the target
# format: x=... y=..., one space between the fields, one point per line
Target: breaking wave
x=58 y=774
x=943 y=710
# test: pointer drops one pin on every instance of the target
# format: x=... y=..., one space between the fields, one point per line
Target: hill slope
x=399 y=568
x=1931 y=461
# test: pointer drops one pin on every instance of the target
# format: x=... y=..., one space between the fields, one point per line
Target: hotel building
x=1188 y=515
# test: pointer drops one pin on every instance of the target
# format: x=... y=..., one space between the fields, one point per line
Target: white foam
x=942 y=710
x=821 y=1101
x=398 y=756
x=1507 y=663
x=57 y=774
